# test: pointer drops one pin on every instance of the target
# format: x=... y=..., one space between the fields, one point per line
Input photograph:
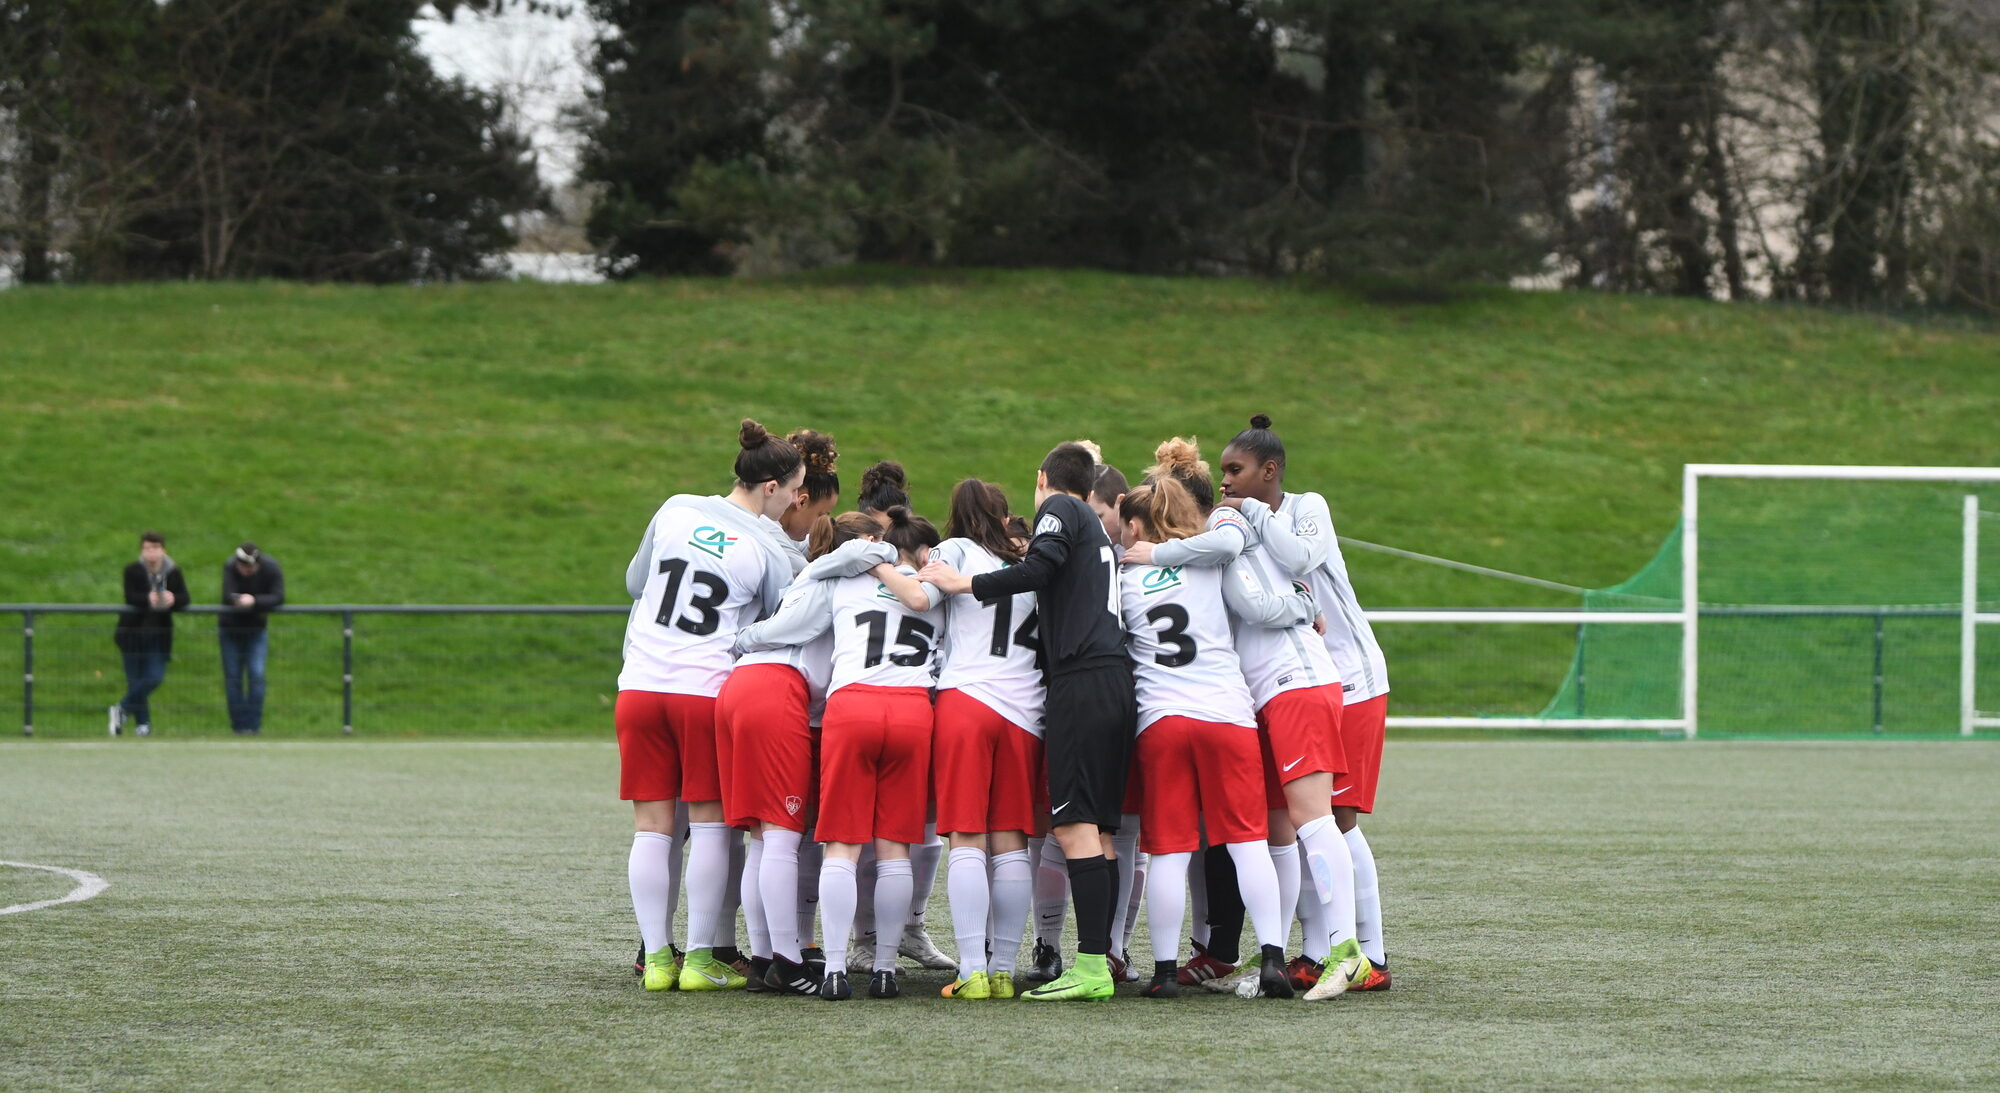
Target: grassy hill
x=507 y=443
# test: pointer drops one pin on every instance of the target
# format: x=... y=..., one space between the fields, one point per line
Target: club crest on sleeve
x=1050 y=524
x=1160 y=579
x=712 y=541
x=1307 y=526
x=1300 y=586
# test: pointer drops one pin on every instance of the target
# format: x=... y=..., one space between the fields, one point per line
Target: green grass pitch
x=403 y=915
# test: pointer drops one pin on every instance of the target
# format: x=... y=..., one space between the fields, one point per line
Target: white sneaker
x=143 y=730
x=918 y=946
x=117 y=715
x=1343 y=966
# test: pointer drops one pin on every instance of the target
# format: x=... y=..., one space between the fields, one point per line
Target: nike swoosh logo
x=718 y=980
x=1288 y=766
x=1059 y=808
x=1340 y=791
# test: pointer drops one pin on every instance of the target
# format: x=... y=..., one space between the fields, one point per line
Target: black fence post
x=347 y=673
x=27 y=673
x=1878 y=673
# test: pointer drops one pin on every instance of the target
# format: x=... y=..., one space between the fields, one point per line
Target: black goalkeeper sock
x=1092 y=887
x=1225 y=906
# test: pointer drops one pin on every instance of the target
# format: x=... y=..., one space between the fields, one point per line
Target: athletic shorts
x=1301 y=736
x=1199 y=774
x=988 y=770
x=1361 y=738
x=874 y=764
x=666 y=747
x=764 y=747
x=1090 y=718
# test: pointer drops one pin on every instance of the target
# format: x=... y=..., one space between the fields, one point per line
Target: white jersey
x=1277 y=659
x=704 y=570
x=813 y=660
x=1183 y=654
x=989 y=649
x=1300 y=537
x=878 y=641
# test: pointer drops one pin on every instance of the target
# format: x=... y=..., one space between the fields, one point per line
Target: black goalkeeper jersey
x=1071 y=567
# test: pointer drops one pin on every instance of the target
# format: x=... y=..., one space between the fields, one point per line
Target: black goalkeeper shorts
x=1089 y=724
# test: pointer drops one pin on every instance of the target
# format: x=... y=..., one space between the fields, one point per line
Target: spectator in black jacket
x=253 y=585
x=154 y=590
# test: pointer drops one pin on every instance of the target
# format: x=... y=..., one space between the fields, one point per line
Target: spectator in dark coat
x=253 y=586
x=154 y=590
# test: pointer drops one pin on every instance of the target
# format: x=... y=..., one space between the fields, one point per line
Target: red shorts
x=874 y=764
x=1301 y=736
x=988 y=770
x=666 y=747
x=763 y=746
x=1361 y=738
x=1199 y=771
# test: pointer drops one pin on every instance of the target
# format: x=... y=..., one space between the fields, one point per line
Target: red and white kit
x=986 y=745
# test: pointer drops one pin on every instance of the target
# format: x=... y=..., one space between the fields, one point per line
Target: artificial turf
x=403 y=915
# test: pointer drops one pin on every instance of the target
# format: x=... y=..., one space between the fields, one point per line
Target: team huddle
x=1158 y=694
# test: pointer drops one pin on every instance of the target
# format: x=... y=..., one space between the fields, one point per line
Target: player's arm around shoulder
x=1226 y=538
x=804 y=614
x=1244 y=591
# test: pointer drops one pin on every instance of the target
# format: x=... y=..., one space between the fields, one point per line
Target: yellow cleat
x=1000 y=985
x=662 y=970
x=975 y=986
x=702 y=972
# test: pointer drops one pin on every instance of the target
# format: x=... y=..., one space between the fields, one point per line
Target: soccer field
x=364 y=915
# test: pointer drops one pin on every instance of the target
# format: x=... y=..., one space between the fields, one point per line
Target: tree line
x=1843 y=151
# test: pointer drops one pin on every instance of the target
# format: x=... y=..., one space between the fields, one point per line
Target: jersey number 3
x=1175 y=634
x=708 y=593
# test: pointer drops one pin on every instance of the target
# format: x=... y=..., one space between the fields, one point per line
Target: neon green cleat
x=1345 y=967
x=1000 y=985
x=973 y=987
x=1087 y=980
x=662 y=970
x=702 y=972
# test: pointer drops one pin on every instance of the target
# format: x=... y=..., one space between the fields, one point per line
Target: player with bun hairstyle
x=705 y=566
x=986 y=745
x=875 y=736
x=883 y=486
x=1198 y=750
x=1295 y=541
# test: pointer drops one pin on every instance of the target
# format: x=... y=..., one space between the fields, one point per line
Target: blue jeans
x=243 y=656
x=144 y=671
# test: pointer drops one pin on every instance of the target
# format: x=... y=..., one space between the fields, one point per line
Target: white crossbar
x=1535 y=723
x=1573 y=618
x=1866 y=474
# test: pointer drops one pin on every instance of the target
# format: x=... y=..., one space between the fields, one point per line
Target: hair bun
x=1091 y=446
x=1260 y=421
x=888 y=472
x=752 y=435
x=898 y=515
x=1177 y=454
x=816 y=448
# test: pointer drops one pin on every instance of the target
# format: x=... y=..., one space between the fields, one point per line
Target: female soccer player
x=987 y=746
x=1296 y=530
x=1198 y=741
x=705 y=566
x=874 y=742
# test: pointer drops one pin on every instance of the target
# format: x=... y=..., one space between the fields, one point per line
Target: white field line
x=87 y=885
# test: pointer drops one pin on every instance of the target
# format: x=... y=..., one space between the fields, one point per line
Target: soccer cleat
x=1000 y=985
x=1304 y=971
x=973 y=987
x=702 y=972
x=143 y=730
x=748 y=969
x=639 y=962
x=790 y=977
x=1242 y=984
x=918 y=946
x=834 y=987
x=1203 y=967
x=1164 y=985
x=660 y=972
x=814 y=958
x=117 y=716
x=882 y=984
x=1131 y=972
x=861 y=954
x=753 y=981
x=1376 y=978
x=1272 y=982
x=1345 y=966
x=1048 y=963
x=1089 y=980
x=1118 y=967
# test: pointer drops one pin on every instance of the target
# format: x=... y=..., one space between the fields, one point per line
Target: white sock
x=837 y=889
x=1315 y=925
x=646 y=871
x=1197 y=882
x=1141 y=866
x=1331 y=868
x=1166 y=900
x=1013 y=895
x=1051 y=893
x=754 y=921
x=1285 y=861
x=971 y=906
x=1126 y=844
x=779 y=887
x=707 y=881
x=924 y=860
x=677 y=866
x=893 y=881
x=811 y=853
x=1257 y=879
x=1367 y=898
x=864 y=910
x=732 y=895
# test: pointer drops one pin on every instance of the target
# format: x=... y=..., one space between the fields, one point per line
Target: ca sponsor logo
x=1161 y=579
x=711 y=541
x=792 y=805
x=882 y=592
